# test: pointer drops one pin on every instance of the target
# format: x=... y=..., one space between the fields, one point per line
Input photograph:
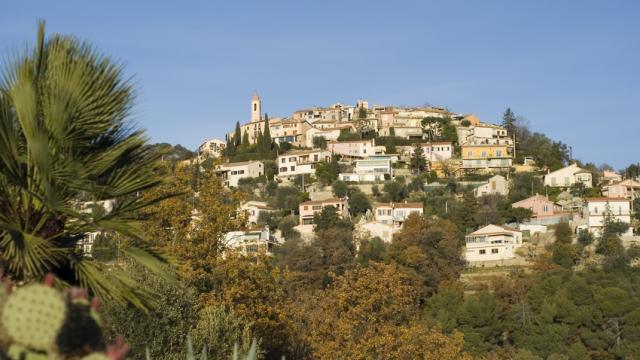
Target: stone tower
x=256 y=107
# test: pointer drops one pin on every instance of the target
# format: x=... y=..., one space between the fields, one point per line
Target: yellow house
x=486 y=156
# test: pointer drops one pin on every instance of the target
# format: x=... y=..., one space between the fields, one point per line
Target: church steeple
x=256 y=107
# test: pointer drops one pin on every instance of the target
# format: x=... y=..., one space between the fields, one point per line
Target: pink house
x=308 y=209
x=355 y=148
x=540 y=205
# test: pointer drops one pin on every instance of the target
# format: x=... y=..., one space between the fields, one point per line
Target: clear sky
x=569 y=67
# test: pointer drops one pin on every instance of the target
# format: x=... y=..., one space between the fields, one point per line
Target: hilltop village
x=375 y=166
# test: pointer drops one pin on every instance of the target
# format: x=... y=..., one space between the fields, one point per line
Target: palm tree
x=65 y=137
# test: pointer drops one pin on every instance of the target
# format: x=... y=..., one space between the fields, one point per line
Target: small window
x=482 y=252
x=494 y=251
x=293 y=168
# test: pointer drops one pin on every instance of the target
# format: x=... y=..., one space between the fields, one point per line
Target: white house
x=396 y=213
x=232 y=172
x=355 y=148
x=211 y=148
x=567 y=176
x=491 y=243
x=371 y=229
x=302 y=162
x=496 y=185
x=251 y=242
x=329 y=134
x=435 y=151
x=253 y=209
x=597 y=209
x=88 y=207
x=375 y=168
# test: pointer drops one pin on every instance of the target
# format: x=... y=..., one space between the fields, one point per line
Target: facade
x=377 y=168
x=232 y=172
x=496 y=185
x=289 y=131
x=486 y=157
x=354 y=149
x=329 y=134
x=309 y=208
x=435 y=151
x=371 y=229
x=301 y=162
x=253 y=209
x=629 y=189
x=610 y=177
x=540 y=205
x=211 y=148
x=491 y=243
x=396 y=213
x=597 y=209
x=251 y=242
x=567 y=176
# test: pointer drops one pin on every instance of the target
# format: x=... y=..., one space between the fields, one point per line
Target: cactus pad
x=33 y=316
x=96 y=356
x=17 y=352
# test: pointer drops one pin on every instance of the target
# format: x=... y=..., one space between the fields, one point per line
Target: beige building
x=567 y=176
x=491 y=243
x=253 y=209
x=232 y=172
x=308 y=209
x=629 y=189
x=496 y=185
x=396 y=213
x=211 y=148
x=301 y=162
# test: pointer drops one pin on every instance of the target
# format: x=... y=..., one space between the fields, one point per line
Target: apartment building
x=251 y=242
x=486 y=157
x=629 y=189
x=211 y=148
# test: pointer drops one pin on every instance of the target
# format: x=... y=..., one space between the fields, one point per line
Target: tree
x=430 y=248
x=66 y=138
x=287 y=198
x=237 y=136
x=418 y=162
x=245 y=139
x=362 y=112
x=390 y=146
x=340 y=189
x=370 y=313
x=358 y=202
x=509 y=121
x=191 y=227
x=219 y=330
x=165 y=327
x=329 y=218
x=524 y=185
x=394 y=191
x=319 y=142
x=286 y=226
x=371 y=250
x=267 y=141
x=327 y=172
x=563 y=233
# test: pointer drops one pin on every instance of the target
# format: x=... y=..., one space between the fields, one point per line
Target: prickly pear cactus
x=33 y=315
x=17 y=352
x=96 y=356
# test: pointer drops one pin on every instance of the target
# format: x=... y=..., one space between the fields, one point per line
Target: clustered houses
x=481 y=149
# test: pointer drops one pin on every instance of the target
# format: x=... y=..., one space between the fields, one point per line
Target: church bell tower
x=256 y=108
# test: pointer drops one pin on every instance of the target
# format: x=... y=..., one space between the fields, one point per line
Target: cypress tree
x=245 y=139
x=266 y=137
x=237 y=137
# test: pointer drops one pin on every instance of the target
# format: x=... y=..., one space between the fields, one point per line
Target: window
x=240 y=172
x=315 y=157
x=482 y=252
x=469 y=153
x=566 y=181
x=283 y=160
x=546 y=208
x=494 y=251
x=498 y=152
x=484 y=154
x=255 y=107
x=293 y=168
x=306 y=207
x=316 y=207
x=283 y=169
x=595 y=210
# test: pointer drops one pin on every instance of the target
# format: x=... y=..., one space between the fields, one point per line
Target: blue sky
x=569 y=67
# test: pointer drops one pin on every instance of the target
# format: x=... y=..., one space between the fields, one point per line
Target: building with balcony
x=251 y=242
x=396 y=213
x=300 y=162
x=597 y=210
x=352 y=149
x=491 y=243
x=232 y=172
x=308 y=209
x=374 y=168
x=486 y=157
